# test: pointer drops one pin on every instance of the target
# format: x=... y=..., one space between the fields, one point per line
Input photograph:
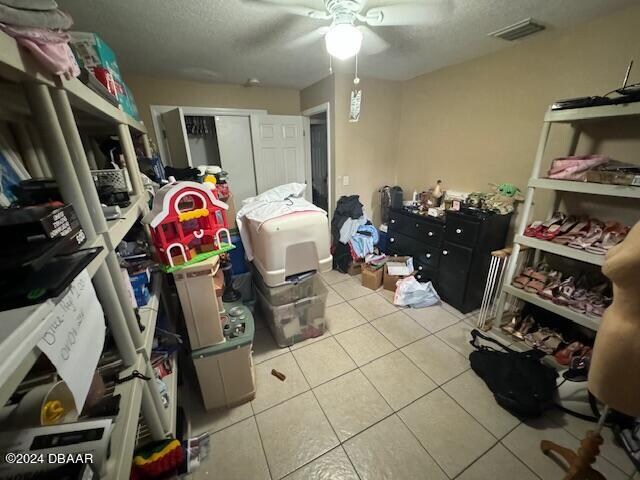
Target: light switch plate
x=345 y=180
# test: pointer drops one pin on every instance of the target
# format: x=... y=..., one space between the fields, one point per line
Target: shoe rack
x=574 y=117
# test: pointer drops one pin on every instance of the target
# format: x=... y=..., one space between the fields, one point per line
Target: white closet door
x=175 y=137
x=236 y=155
x=279 y=150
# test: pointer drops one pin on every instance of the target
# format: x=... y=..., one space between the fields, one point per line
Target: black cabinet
x=454 y=252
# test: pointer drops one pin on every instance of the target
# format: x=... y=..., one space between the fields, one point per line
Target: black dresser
x=453 y=252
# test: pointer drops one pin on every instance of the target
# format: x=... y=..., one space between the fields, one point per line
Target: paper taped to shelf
x=74 y=337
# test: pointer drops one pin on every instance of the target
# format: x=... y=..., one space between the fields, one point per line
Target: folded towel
x=31 y=4
x=54 y=19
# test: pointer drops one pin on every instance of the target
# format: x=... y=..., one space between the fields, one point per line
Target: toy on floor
x=187 y=222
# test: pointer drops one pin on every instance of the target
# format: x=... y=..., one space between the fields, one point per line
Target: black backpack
x=519 y=382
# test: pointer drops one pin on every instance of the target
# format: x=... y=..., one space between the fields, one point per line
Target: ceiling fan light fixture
x=343 y=41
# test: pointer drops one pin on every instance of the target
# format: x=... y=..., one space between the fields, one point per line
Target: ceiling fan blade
x=307 y=39
x=290 y=7
x=372 y=43
x=412 y=13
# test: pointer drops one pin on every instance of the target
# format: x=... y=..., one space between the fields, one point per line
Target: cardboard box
x=389 y=282
x=91 y=52
x=355 y=268
x=372 y=277
x=231 y=213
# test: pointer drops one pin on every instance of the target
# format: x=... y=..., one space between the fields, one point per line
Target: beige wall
x=479 y=121
x=366 y=150
x=156 y=91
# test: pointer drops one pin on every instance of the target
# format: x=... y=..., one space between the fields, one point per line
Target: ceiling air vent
x=521 y=29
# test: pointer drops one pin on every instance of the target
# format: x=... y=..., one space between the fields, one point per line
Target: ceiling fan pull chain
x=356 y=80
x=330 y=66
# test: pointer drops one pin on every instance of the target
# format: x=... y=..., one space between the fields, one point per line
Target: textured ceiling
x=228 y=41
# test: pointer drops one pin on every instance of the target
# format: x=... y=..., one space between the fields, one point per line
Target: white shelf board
x=561 y=250
x=17 y=65
x=120 y=227
x=586 y=187
x=124 y=433
x=20 y=331
x=592 y=113
x=171 y=381
x=579 y=318
x=149 y=313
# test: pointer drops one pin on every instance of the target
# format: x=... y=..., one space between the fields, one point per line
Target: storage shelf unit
x=574 y=117
x=57 y=108
x=566 y=312
x=585 y=187
x=561 y=250
x=119 y=228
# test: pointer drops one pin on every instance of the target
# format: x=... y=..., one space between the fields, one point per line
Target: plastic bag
x=411 y=293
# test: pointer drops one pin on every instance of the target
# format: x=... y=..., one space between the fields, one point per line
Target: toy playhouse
x=187 y=221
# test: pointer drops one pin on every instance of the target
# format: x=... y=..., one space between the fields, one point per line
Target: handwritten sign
x=74 y=337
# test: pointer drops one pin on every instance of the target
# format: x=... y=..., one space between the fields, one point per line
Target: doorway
x=320 y=148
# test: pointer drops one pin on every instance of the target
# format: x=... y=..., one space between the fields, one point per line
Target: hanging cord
x=134 y=374
x=330 y=65
x=356 y=80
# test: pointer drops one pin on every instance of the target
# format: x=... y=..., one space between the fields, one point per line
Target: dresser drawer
x=429 y=256
x=455 y=263
x=425 y=274
x=462 y=231
x=424 y=230
x=403 y=245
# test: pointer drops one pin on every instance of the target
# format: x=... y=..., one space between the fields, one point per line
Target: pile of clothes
x=575 y=167
x=40 y=27
x=354 y=237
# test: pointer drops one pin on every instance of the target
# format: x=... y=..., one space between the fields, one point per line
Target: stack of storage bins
x=293 y=311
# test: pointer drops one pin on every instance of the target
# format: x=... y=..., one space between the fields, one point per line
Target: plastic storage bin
x=289 y=292
x=296 y=321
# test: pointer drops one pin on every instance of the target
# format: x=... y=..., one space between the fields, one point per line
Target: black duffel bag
x=519 y=382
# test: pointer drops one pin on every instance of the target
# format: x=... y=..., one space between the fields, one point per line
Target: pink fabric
x=49 y=47
x=575 y=167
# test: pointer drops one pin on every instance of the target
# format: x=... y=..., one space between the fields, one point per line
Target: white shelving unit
x=55 y=110
x=575 y=117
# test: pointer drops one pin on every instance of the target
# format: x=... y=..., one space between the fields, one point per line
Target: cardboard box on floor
x=389 y=282
x=372 y=277
x=355 y=268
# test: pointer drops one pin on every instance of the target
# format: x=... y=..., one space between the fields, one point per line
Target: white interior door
x=175 y=137
x=279 y=150
x=236 y=155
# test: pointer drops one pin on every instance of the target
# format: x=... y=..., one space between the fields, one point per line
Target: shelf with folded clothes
x=578 y=237
x=591 y=174
x=18 y=65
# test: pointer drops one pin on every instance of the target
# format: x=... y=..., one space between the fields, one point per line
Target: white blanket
x=277 y=202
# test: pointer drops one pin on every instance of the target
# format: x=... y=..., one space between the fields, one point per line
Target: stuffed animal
x=503 y=198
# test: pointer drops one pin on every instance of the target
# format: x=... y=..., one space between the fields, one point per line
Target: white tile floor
x=384 y=394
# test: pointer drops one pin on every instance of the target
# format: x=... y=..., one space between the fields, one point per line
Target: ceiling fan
x=349 y=29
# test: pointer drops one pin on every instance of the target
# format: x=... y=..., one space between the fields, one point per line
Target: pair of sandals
x=575 y=356
x=527 y=330
x=534 y=280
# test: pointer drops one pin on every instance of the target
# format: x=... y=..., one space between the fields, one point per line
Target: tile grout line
x=327 y=418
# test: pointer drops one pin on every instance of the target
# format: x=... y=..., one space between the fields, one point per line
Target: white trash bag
x=411 y=293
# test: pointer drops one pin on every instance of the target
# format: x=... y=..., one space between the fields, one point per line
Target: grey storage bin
x=296 y=321
x=289 y=292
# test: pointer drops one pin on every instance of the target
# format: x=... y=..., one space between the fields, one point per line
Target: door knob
x=445 y=252
x=458 y=230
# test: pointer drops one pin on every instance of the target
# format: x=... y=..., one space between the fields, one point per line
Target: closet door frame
x=158 y=110
x=323 y=107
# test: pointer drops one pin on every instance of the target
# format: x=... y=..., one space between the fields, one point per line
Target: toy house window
x=187 y=203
